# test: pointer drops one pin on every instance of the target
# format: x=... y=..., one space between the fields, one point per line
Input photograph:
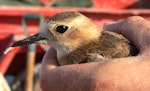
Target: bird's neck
x=67 y=47
x=63 y=52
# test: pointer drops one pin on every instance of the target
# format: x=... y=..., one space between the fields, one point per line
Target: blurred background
x=21 y=18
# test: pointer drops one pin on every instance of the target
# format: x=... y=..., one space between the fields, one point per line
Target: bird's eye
x=61 y=29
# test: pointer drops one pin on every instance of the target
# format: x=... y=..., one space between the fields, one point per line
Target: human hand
x=122 y=74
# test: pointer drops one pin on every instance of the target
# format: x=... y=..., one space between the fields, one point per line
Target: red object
x=5 y=60
x=115 y=4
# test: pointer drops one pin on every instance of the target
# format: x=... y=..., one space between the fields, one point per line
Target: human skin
x=121 y=74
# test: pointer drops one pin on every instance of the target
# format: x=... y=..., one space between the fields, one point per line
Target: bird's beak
x=29 y=40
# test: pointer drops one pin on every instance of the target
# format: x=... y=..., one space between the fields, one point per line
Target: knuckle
x=134 y=19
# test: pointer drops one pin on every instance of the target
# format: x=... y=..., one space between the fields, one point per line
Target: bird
x=78 y=40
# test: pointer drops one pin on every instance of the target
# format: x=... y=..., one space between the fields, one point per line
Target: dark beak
x=29 y=40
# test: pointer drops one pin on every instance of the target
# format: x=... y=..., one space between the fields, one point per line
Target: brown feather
x=64 y=16
x=109 y=45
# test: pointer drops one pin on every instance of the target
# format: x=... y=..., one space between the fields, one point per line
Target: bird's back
x=109 y=45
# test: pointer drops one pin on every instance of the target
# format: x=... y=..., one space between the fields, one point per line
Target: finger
x=51 y=54
x=50 y=59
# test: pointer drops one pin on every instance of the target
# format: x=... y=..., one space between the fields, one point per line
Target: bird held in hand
x=78 y=40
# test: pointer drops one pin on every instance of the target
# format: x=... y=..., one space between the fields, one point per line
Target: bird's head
x=67 y=30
